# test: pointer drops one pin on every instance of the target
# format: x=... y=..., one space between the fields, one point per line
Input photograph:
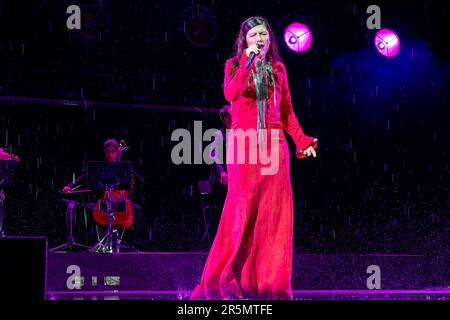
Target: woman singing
x=251 y=256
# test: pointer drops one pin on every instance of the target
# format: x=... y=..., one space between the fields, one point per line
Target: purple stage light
x=298 y=37
x=292 y=40
x=387 y=42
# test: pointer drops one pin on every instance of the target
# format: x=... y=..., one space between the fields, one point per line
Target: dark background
x=140 y=69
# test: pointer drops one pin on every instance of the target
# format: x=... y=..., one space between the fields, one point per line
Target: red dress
x=251 y=256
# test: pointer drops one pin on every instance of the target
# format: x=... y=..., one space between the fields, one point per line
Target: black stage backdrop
x=137 y=70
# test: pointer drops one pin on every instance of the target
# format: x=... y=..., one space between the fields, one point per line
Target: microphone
x=252 y=57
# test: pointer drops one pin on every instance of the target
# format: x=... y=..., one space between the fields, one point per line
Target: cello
x=122 y=206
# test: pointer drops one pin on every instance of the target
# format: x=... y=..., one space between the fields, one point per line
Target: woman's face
x=111 y=154
x=259 y=35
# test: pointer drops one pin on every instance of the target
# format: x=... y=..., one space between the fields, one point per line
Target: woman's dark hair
x=240 y=44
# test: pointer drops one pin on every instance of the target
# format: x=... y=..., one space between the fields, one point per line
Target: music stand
x=108 y=176
x=70 y=245
x=7 y=180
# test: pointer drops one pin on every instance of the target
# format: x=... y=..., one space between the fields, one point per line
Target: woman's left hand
x=309 y=151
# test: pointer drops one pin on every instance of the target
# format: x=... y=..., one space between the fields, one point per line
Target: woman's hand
x=66 y=189
x=309 y=151
x=252 y=48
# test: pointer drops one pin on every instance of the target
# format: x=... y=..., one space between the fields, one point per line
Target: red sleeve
x=290 y=122
x=234 y=85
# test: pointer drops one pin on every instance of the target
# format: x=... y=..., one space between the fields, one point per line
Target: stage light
x=387 y=42
x=199 y=25
x=298 y=37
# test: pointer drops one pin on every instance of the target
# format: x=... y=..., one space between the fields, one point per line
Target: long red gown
x=251 y=256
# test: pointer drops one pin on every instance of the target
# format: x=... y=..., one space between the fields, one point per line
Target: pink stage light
x=387 y=42
x=298 y=37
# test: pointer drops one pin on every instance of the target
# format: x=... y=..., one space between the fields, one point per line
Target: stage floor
x=173 y=275
x=430 y=294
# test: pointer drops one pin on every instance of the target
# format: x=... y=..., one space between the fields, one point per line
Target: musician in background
x=4 y=156
x=218 y=177
x=113 y=152
x=218 y=171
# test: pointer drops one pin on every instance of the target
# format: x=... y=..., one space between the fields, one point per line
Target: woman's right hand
x=66 y=189
x=252 y=48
